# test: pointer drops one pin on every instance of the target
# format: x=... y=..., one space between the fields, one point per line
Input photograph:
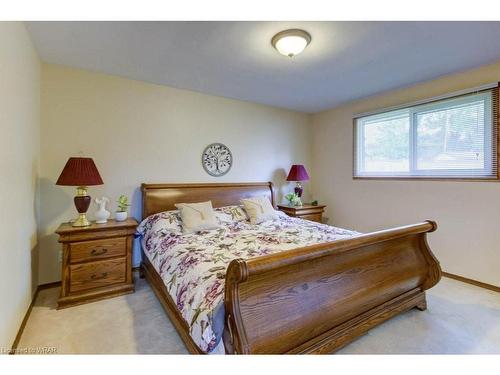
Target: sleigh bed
x=312 y=299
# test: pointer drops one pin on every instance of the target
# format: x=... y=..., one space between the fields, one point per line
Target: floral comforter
x=193 y=266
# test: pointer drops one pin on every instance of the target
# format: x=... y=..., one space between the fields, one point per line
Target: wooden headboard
x=163 y=197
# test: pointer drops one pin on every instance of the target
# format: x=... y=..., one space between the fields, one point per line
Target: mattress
x=193 y=266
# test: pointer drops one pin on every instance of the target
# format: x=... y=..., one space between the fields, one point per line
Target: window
x=454 y=137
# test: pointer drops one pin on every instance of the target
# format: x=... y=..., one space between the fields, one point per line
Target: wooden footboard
x=316 y=299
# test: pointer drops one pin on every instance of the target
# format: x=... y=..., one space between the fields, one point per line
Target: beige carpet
x=460 y=319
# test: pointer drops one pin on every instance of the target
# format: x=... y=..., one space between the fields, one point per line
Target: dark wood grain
x=312 y=299
x=163 y=197
x=285 y=301
x=91 y=275
x=96 y=261
x=343 y=334
x=98 y=249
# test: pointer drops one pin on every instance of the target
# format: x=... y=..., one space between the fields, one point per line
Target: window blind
x=455 y=137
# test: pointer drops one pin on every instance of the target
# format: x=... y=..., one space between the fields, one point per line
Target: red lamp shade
x=80 y=172
x=297 y=173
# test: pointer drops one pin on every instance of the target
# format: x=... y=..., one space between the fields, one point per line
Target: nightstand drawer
x=96 y=261
x=312 y=217
x=97 y=249
x=97 y=274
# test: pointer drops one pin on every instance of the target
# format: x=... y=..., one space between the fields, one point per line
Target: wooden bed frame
x=312 y=299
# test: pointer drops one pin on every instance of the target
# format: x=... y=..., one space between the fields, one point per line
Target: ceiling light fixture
x=291 y=42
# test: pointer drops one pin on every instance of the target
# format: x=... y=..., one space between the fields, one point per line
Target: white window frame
x=432 y=174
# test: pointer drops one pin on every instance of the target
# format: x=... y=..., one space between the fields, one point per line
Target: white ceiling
x=345 y=60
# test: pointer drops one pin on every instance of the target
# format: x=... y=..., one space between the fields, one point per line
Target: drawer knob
x=96 y=277
x=97 y=252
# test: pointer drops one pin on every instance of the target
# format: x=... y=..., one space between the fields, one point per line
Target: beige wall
x=138 y=132
x=19 y=149
x=468 y=213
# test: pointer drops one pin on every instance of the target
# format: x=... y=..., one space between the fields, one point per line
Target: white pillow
x=259 y=209
x=197 y=216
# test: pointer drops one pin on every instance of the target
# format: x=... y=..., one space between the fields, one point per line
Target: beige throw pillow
x=197 y=216
x=259 y=209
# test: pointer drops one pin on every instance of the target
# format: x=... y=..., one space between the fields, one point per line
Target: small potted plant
x=121 y=212
x=293 y=199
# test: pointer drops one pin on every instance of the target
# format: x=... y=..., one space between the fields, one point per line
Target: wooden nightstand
x=96 y=262
x=306 y=212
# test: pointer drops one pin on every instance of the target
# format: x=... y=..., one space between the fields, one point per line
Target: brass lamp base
x=81 y=221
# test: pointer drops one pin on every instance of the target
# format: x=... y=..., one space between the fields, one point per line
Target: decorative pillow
x=197 y=216
x=167 y=221
x=259 y=209
x=231 y=213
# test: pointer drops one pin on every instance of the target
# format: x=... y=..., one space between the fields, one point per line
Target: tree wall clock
x=216 y=159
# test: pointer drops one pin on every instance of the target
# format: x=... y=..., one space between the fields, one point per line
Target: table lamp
x=298 y=173
x=80 y=172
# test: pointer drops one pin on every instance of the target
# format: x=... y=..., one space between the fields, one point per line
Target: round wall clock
x=217 y=159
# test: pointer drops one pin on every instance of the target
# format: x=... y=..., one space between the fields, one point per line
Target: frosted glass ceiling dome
x=291 y=42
